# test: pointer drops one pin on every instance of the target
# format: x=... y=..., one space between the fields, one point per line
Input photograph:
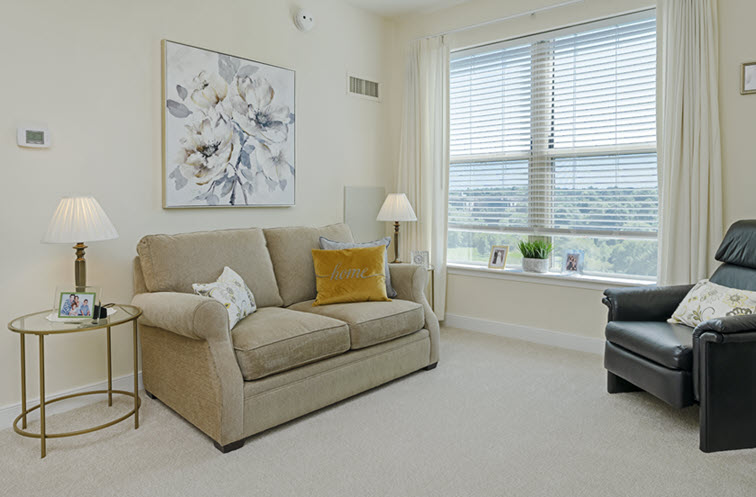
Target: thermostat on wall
x=36 y=137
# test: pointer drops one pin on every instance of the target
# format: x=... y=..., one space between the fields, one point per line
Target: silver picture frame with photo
x=573 y=262
x=748 y=78
x=421 y=258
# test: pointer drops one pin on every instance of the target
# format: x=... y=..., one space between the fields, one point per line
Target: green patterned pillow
x=231 y=291
x=708 y=300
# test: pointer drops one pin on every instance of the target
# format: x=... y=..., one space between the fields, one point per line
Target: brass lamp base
x=80 y=267
x=396 y=243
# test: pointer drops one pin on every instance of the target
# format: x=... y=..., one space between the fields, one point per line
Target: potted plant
x=535 y=255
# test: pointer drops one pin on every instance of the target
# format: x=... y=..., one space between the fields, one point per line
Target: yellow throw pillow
x=350 y=275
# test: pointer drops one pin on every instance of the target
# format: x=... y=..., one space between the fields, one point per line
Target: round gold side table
x=38 y=324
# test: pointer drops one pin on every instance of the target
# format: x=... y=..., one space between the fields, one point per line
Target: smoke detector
x=303 y=20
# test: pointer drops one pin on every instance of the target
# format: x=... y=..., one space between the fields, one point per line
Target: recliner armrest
x=726 y=330
x=192 y=316
x=729 y=325
x=646 y=303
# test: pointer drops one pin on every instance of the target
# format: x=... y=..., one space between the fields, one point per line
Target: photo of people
x=498 y=258
x=76 y=305
x=573 y=262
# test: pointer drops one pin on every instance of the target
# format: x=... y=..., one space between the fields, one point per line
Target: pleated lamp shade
x=79 y=219
x=396 y=207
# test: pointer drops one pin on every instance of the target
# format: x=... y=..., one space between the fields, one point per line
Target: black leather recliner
x=713 y=365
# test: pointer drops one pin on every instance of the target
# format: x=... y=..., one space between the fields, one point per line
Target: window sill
x=591 y=282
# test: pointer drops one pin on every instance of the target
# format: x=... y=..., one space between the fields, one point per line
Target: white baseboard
x=10 y=412
x=527 y=333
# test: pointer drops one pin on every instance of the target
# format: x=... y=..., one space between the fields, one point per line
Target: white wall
x=579 y=310
x=737 y=112
x=90 y=70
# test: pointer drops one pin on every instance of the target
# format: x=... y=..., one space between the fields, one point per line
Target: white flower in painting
x=250 y=102
x=260 y=185
x=273 y=164
x=209 y=146
x=208 y=90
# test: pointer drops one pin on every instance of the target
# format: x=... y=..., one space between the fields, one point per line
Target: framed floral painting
x=228 y=130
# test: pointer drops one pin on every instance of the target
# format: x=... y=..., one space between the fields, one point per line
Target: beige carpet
x=498 y=417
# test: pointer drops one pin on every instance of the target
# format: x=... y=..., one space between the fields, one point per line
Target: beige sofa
x=288 y=358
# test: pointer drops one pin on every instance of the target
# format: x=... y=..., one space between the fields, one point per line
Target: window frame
x=542 y=151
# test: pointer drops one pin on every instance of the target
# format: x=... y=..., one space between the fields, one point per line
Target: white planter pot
x=535 y=265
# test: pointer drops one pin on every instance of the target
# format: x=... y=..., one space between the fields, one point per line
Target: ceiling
x=392 y=8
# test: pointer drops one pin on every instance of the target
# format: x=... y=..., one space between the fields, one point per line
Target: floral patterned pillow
x=231 y=291
x=708 y=300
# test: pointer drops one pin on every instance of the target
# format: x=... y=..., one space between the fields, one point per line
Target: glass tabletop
x=39 y=324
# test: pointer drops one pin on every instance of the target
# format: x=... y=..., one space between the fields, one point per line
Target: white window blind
x=556 y=135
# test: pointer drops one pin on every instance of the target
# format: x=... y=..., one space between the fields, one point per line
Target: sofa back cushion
x=291 y=252
x=172 y=263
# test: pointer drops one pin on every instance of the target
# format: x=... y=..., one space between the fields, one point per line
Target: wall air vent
x=364 y=88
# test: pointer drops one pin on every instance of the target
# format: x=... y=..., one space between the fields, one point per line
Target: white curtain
x=690 y=170
x=424 y=156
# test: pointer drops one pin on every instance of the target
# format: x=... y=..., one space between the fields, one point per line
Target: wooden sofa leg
x=615 y=384
x=431 y=366
x=228 y=448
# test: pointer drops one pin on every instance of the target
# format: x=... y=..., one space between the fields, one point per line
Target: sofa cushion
x=668 y=344
x=274 y=340
x=172 y=263
x=291 y=253
x=372 y=322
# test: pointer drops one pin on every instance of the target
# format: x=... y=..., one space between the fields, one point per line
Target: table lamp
x=78 y=220
x=396 y=208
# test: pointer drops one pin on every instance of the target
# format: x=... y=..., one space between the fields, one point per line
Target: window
x=554 y=137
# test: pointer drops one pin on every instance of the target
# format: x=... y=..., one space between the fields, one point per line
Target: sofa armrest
x=409 y=281
x=188 y=361
x=646 y=303
x=192 y=316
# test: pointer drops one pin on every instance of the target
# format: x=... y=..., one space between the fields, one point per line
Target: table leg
x=42 y=395
x=110 y=373
x=136 y=381
x=23 y=380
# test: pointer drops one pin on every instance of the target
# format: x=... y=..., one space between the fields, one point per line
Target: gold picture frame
x=748 y=78
x=498 y=257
